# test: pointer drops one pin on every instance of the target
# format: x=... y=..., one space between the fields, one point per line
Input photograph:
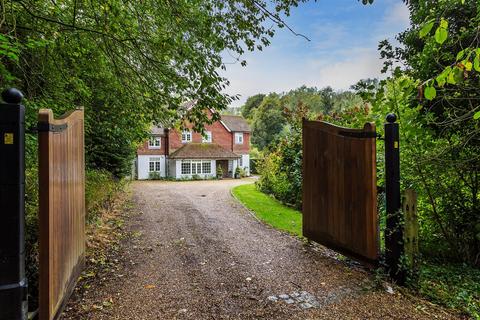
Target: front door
x=224 y=165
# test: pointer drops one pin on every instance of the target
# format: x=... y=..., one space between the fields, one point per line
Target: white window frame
x=154 y=163
x=240 y=161
x=195 y=167
x=209 y=163
x=155 y=143
x=238 y=137
x=207 y=138
x=186 y=136
x=184 y=165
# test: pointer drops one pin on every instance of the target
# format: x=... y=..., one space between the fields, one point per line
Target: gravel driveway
x=199 y=254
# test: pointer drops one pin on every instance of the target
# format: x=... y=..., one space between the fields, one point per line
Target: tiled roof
x=157 y=130
x=203 y=151
x=235 y=123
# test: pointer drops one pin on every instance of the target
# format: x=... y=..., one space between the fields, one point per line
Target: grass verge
x=269 y=210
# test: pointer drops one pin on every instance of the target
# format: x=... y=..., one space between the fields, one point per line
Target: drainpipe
x=167 y=149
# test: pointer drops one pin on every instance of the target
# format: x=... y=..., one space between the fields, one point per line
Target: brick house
x=182 y=155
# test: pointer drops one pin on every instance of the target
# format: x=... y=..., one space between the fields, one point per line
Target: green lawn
x=269 y=210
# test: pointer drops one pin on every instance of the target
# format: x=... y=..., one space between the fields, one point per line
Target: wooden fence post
x=409 y=207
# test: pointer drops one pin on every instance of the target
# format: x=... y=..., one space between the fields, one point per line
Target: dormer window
x=154 y=143
x=186 y=136
x=207 y=138
x=238 y=137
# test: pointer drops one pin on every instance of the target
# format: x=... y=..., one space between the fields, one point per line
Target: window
x=239 y=137
x=154 y=143
x=186 y=167
x=186 y=136
x=240 y=162
x=196 y=167
x=154 y=164
x=207 y=137
x=206 y=167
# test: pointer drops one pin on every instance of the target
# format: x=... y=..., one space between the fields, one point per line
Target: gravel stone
x=219 y=230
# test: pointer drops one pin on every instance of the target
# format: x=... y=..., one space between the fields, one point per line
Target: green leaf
x=468 y=66
x=441 y=34
x=444 y=24
x=460 y=55
x=476 y=116
x=426 y=28
x=430 y=93
x=441 y=79
x=476 y=63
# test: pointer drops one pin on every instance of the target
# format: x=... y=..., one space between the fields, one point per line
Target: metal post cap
x=391 y=118
x=12 y=95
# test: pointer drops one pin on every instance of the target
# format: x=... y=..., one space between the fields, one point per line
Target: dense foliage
x=266 y=112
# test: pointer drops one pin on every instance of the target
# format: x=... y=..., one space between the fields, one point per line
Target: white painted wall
x=172 y=168
x=246 y=163
x=143 y=166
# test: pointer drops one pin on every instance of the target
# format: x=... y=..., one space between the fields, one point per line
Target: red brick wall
x=144 y=150
x=220 y=136
x=242 y=148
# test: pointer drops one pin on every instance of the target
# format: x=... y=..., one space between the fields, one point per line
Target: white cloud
x=398 y=16
x=331 y=59
x=263 y=76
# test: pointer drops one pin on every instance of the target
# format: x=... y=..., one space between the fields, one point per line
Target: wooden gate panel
x=61 y=208
x=339 y=188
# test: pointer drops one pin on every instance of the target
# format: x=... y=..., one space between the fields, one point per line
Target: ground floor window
x=186 y=167
x=207 y=167
x=196 y=167
x=154 y=164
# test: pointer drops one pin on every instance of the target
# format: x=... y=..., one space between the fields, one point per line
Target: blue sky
x=343 y=48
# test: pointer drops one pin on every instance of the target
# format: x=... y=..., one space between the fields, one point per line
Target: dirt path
x=199 y=254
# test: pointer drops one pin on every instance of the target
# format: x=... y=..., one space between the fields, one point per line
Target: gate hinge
x=48 y=127
x=365 y=135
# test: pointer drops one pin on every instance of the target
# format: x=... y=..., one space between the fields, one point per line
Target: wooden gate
x=339 y=189
x=61 y=208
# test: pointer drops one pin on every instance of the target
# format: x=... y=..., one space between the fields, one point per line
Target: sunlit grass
x=269 y=210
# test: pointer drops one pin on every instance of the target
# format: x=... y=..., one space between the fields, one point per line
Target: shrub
x=219 y=172
x=154 y=176
x=101 y=188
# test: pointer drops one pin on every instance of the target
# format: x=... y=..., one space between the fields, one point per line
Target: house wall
x=220 y=136
x=145 y=150
x=246 y=163
x=241 y=148
x=172 y=168
x=143 y=166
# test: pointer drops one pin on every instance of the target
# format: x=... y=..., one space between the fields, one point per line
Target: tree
x=441 y=50
x=251 y=105
x=267 y=121
x=134 y=63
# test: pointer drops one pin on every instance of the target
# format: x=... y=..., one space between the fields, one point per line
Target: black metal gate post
x=13 y=283
x=394 y=227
